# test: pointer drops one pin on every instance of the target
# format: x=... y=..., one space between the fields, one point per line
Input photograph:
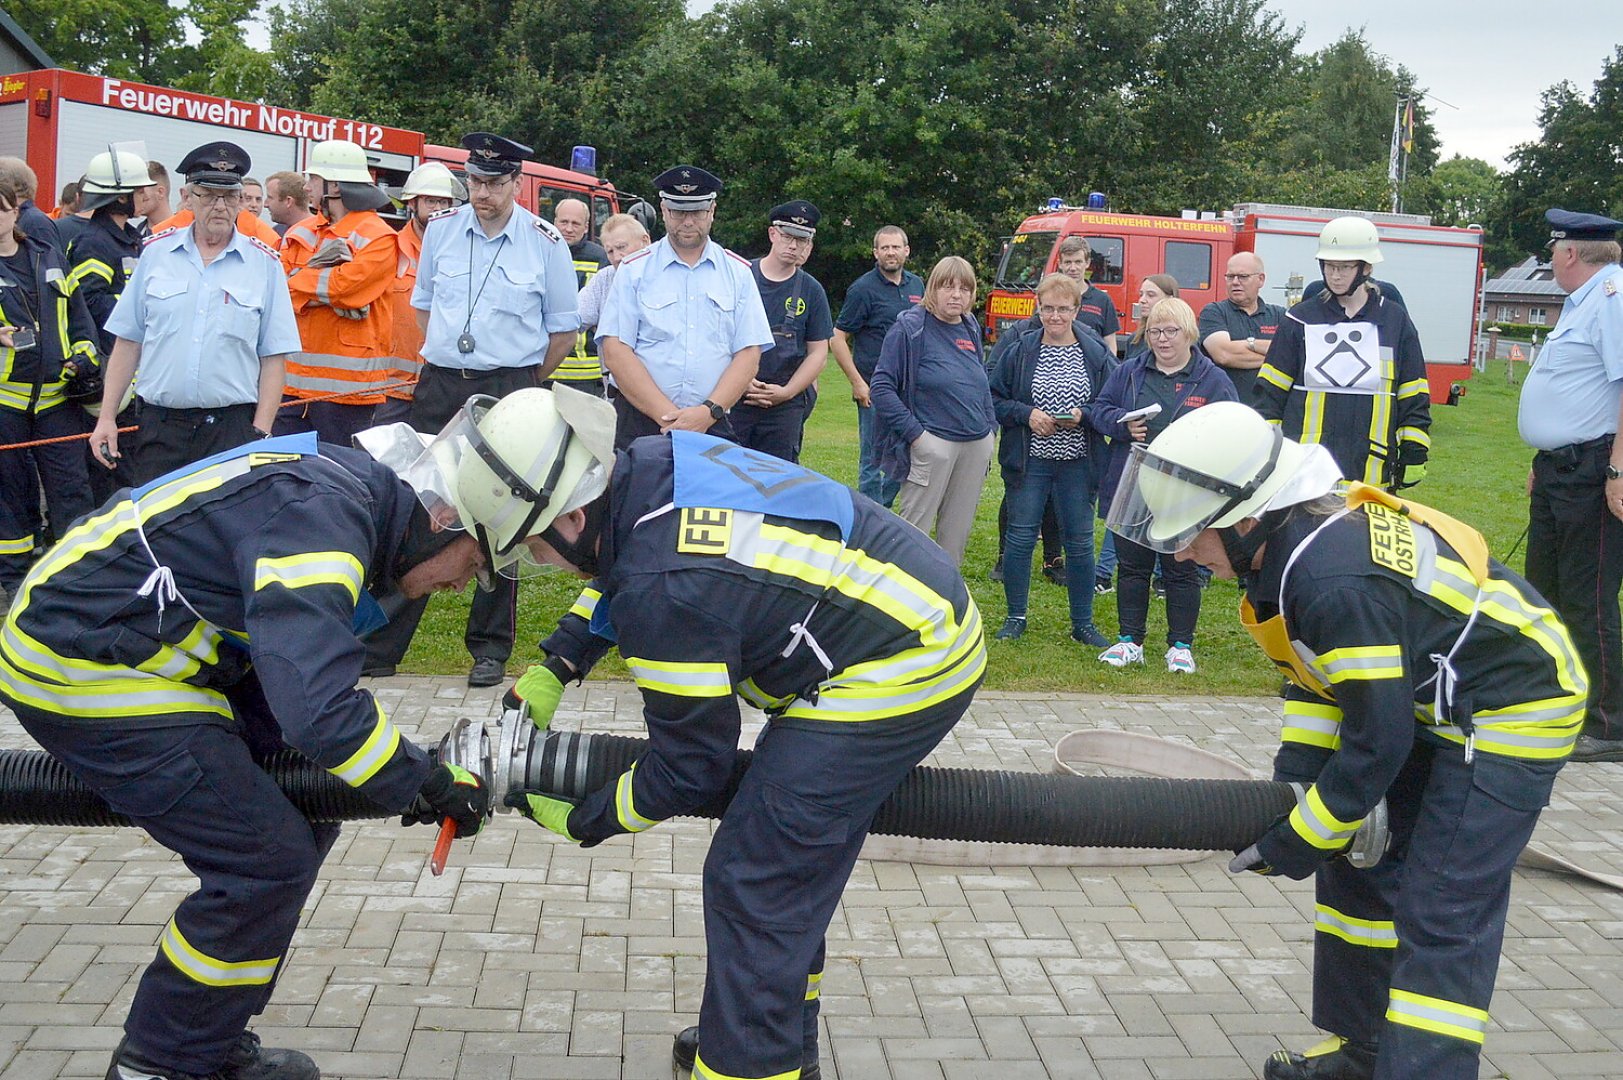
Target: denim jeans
x=1071 y=486
x=1105 y=568
x=871 y=479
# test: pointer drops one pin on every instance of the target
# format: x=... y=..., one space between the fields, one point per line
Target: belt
x=198 y=413
x=473 y=375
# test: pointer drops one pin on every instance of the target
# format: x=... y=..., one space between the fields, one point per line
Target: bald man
x=1236 y=330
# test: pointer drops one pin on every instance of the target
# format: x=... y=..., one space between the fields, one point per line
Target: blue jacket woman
x=1011 y=380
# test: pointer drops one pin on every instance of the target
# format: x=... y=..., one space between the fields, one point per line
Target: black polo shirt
x=1099 y=312
x=1227 y=315
x=871 y=305
x=797 y=308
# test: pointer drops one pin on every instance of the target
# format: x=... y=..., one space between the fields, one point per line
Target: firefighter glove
x=1410 y=475
x=450 y=792
x=548 y=811
x=1283 y=851
x=1249 y=859
x=540 y=688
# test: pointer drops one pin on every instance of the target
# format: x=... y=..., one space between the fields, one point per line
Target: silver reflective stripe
x=1366 y=932
x=321 y=286
x=1359 y=663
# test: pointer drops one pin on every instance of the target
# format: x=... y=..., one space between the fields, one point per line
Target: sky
x=1487 y=59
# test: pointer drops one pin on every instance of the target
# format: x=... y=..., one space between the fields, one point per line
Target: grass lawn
x=1478 y=473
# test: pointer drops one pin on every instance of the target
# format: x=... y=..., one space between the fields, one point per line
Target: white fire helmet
x=1213 y=468
x=112 y=174
x=1349 y=239
x=432 y=178
x=339 y=161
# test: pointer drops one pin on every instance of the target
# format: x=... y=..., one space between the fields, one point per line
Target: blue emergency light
x=583 y=159
x=1098 y=200
x=1055 y=203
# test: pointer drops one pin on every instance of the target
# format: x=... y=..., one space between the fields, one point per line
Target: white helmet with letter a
x=433 y=179
x=1210 y=469
x=1349 y=239
x=505 y=470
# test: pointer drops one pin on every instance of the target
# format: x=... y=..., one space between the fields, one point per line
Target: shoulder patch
x=159 y=235
x=449 y=211
x=262 y=246
x=1610 y=288
x=643 y=254
x=1391 y=540
x=548 y=230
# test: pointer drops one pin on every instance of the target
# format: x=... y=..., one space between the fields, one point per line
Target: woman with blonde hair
x=934 y=409
x=1175 y=377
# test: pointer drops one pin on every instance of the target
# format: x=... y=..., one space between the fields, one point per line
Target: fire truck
x=1438 y=268
x=61 y=119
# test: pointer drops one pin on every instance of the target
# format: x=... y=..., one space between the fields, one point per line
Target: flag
x=1393 y=169
x=1408 y=125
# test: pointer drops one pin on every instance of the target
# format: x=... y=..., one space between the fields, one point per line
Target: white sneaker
x=1180 y=660
x=1122 y=653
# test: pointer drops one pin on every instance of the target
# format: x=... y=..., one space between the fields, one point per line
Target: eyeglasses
x=1238 y=277
x=1045 y=311
x=1163 y=331
x=1340 y=267
x=479 y=183
x=209 y=198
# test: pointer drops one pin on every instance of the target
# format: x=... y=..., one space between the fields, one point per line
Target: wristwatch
x=716 y=411
x=1251 y=343
x=1612 y=472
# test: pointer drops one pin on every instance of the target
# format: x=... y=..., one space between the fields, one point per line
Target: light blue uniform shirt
x=1572 y=393
x=529 y=292
x=202 y=329
x=685 y=322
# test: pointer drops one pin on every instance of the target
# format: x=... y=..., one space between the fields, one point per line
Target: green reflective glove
x=547 y=811
x=541 y=690
x=1412 y=475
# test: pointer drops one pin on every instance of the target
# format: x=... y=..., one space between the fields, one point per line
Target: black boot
x=128 y=1065
x=1333 y=1059
x=250 y=1061
x=685 y=1050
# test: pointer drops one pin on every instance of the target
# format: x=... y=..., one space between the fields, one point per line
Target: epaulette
x=548 y=230
x=262 y=246
x=1609 y=286
x=447 y=212
x=643 y=254
x=159 y=235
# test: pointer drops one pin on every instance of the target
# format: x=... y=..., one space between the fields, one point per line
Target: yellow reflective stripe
x=1414 y=388
x=701 y=1071
x=1314 y=823
x=1367 y=933
x=17 y=395
x=1312 y=417
x=21 y=546
x=625 y=807
x=1454 y=585
x=1270 y=374
x=1380 y=418
x=1363 y=662
x=827 y=564
x=841 y=701
x=1419 y=436
x=110 y=698
x=586 y=603
x=186 y=657
x=374 y=754
x=814 y=986
x=208 y=970
x=89 y=268
x=1311 y=723
x=1540 y=731
x=1437 y=1015
x=751 y=692
x=312 y=568
x=702 y=678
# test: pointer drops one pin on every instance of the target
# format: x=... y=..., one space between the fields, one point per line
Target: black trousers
x=630 y=424
x=493 y=621
x=170 y=438
x=776 y=431
x=332 y=422
x=1135 y=564
x=1575 y=560
x=1052 y=549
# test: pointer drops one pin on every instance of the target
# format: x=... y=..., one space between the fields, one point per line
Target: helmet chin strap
x=581 y=552
x=1360 y=279
x=1242 y=550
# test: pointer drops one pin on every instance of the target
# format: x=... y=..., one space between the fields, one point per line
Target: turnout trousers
x=62 y=472
x=777 y=865
x=197 y=790
x=1405 y=954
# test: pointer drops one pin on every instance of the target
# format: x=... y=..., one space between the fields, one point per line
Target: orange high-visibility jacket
x=407 y=346
x=246 y=223
x=345 y=311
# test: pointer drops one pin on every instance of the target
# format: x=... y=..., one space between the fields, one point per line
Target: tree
x=125 y=39
x=1575 y=163
x=1463 y=191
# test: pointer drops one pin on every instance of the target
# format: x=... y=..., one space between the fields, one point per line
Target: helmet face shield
x=1163 y=505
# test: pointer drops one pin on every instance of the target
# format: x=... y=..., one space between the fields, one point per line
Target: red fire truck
x=58 y=120
x=1438 y=268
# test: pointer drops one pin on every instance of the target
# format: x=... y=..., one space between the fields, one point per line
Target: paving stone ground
x=531 y=958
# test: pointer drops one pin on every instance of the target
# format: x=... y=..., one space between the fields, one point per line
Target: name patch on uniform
x=1391 y=539
x=705 y=530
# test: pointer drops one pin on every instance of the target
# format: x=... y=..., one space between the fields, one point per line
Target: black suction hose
x=931 y=803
